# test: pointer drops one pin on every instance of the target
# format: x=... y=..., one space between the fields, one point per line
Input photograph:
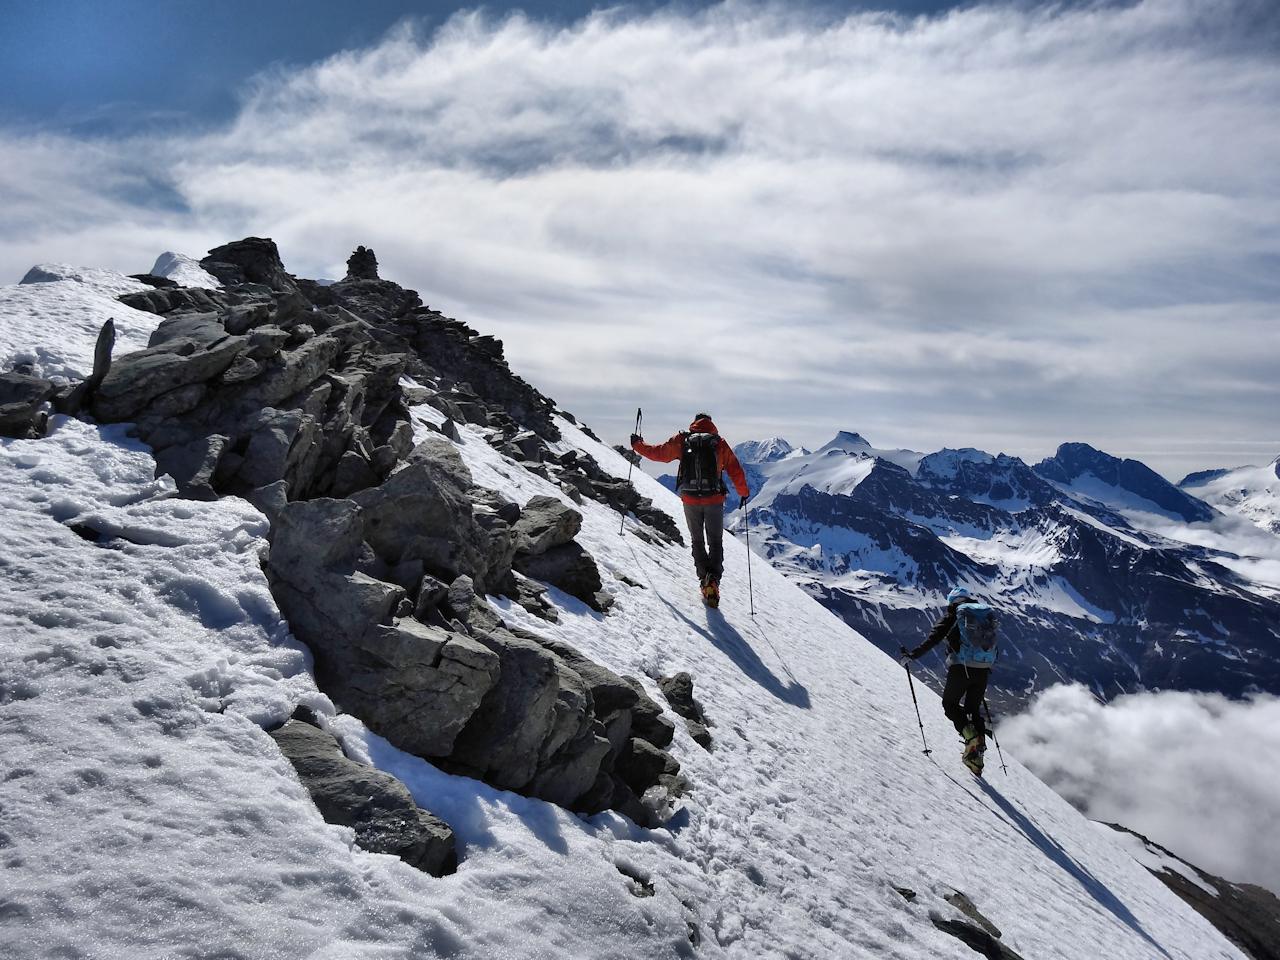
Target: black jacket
x=943 y=630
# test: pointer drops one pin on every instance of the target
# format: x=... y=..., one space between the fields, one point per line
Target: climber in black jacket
x=967 y=676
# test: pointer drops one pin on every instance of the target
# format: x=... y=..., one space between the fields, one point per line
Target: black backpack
x=699 y=473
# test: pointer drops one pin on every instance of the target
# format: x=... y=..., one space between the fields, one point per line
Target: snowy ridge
x=1250 y=492
x=146 y=813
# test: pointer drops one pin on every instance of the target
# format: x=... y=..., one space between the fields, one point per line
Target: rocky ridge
x=294 y=395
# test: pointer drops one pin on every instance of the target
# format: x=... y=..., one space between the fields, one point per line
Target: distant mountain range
x=1106 y=573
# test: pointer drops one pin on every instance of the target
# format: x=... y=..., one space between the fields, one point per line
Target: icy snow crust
x=144 y=813
x=53 y=322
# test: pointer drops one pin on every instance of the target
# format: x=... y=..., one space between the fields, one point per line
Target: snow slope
x=144 y=813
x=51 y=320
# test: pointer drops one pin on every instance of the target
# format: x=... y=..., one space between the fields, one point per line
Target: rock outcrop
x=362 y=265
x=434 y=670
x=292 y=394
x=375 y=804
x=678 y=690
x=25 y=403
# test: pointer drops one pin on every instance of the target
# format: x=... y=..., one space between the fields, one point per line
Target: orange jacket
x=670 y=451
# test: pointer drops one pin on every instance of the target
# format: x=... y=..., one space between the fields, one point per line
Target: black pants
x=706 y=530
x=962 y=696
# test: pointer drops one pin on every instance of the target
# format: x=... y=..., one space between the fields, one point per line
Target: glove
x=906 y=657
x=636 y=438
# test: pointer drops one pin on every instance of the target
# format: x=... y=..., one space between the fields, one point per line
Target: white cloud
x=1195 y=772
x=1000 y=227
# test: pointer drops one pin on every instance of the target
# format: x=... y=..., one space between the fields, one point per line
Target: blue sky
x=994 y=225
x=107 y=65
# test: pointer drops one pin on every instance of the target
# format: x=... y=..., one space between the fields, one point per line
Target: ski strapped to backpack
x=976 y=626
x=699 y=473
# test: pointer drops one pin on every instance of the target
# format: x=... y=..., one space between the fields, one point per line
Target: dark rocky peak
x=1075 y=460
x=1201 y=477
x=251 y=260
x=362 y=265
x=977 y=475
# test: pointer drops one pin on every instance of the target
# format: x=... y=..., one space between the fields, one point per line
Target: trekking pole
x=912 y=686
x=751 y=595
x=630 y=464
x=999 y=753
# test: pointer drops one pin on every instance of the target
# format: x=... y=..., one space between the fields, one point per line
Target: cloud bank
x=1003 y=227
x=1197 y=773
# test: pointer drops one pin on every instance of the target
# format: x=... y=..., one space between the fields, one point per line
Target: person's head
x=959 y=593
x=702 y=423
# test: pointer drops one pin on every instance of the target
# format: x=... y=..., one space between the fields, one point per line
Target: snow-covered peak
x=1252 y=492
x=184 y=271
x=848 y=441
x=101 y=281
x=763 y=451
x=946 y=462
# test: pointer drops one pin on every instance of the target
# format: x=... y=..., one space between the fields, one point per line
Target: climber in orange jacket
x=704 y=456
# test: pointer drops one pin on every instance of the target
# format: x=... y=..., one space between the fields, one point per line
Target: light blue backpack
x=976 y=623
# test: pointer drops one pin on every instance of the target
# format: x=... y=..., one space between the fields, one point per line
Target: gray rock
x=270 y=499
x=530 y=446
x=545 y=522
x=431 y=593
x=678 y=690
x=273 y=435
x=460 y=596
x=362 y=265
x=136 y=379
x=24 y=405
x=266 y=342
x=417 y=685
x=176 y=402
x=352 y=473
x=572 y=772
x=320 y=534
x=83 y=391
x=202 y=328
x=292 y=370
x=375 y=804
x=609 y=691
x=242 y=369
x=422 y=512
x=641 y=764
x=528 y=708
x=192 y=466
x=251 y=260
x=648 y=720
x=570 y=568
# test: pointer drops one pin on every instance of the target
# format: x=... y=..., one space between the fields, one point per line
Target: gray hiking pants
x=706 y=531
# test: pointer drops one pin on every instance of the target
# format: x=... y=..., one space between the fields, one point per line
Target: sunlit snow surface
x=143 y=812
x=184 y=271
x=53 y=324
